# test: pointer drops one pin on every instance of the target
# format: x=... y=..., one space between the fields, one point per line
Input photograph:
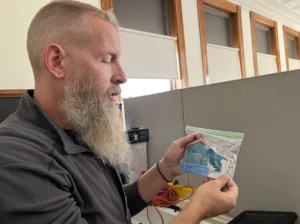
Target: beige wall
x=96 y=3
x=15 y=17
x=281 y=47
x=247 y=43
x=193 y=48
x=192 y=42
x=15 y=68
x=159 y=61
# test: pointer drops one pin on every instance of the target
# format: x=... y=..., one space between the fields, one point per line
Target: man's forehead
x=103 y=33
x=102 y=28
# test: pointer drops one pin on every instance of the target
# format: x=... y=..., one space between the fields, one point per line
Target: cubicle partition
x=9 y=102
x=266 y=109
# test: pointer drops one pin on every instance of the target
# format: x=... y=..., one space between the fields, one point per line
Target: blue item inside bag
x=199 y=159
x=214 y=154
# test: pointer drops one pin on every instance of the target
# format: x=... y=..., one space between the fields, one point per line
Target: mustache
x=114 y=91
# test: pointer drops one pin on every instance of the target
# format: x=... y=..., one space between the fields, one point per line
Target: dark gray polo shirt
x=45 y=177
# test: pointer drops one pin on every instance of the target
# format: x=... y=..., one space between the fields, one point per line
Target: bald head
x=61 y=22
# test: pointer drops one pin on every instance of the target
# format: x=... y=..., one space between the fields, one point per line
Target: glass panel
x=217 y=29
x=263 y=42
x=143 y=15
x=141 y=87
x=291 y=42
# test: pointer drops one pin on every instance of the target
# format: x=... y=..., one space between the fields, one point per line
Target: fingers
x=222 y=181
x=232 y=188
x=228 y=186
x=203 y=140
x=231 y=183
x=206 y=179
x=185 y=141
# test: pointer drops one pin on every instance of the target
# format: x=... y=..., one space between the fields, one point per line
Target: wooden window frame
x=235 y=13
x=107 y=5
x=176 y=30
x=12 y=93
x=272 y=25
x=293 y=33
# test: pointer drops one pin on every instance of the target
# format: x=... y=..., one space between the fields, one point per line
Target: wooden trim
x=237 y=31
x=286 y=50
x=12 y=93
x=107 y=5
x=293 y=33
x=261 y=20
x=275 y=45
x=177 y=30
x=221 y=5
x=201 y=20
x=237 y=38
x=253 y=34
x=273 y=27
x=298 y=48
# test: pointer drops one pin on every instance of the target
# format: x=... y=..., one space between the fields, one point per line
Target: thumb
x=222 y=181
x=185 y=141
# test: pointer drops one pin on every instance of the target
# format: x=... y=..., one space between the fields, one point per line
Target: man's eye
x=107 y=59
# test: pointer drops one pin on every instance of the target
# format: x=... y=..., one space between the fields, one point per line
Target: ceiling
x=286 y=12
x=291 y=4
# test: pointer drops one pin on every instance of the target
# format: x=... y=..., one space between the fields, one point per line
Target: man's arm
x=141 y=192
x=135 y=202
x=32 y=194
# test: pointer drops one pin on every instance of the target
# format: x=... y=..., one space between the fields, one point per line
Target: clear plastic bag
x=214 y=155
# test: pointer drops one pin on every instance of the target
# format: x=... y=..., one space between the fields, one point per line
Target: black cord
x=161 y=173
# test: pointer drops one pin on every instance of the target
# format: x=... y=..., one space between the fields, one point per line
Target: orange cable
x=165 y=198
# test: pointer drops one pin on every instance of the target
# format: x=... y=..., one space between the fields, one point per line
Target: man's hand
x=213 y=198
x=169 y=165
x=152 y=182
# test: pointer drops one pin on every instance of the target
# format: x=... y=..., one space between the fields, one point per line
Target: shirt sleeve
x=33 y=194
x=135 y=202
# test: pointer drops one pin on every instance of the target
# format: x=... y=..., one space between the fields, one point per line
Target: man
x=60 y=150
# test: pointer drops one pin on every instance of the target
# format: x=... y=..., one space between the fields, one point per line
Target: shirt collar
x=31 y=111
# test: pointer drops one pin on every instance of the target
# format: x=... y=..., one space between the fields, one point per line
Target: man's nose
x=119 y=76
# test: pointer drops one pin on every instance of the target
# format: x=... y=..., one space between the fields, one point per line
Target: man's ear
x=54 y=58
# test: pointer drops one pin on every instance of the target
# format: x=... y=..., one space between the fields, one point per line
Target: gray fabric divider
x=266 y=109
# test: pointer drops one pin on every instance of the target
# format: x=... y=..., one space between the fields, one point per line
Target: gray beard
x=96 y=121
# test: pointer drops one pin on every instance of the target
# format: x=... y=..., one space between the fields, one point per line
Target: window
x=262 y=37
x=217 y=27
x=291 y=42
x=221 y=37
x=265 y=45
x=141 y=87
x=143 y=15
x=292 y=48
x=155 y=16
